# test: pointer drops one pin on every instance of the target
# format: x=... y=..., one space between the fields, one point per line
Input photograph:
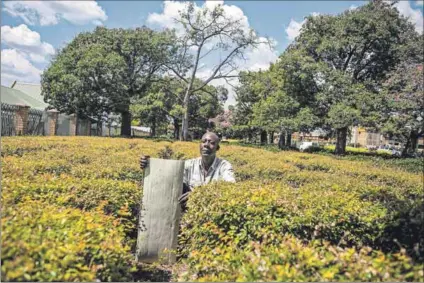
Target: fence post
x=52 y=119
x=72 y=125
x=21 y=120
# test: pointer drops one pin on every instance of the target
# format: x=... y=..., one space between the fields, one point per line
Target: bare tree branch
x=177 y=74
x=220 y=65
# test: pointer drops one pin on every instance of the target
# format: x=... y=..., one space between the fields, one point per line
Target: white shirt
x=220 y=170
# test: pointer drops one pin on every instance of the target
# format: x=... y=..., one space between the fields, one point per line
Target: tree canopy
x=100 y=72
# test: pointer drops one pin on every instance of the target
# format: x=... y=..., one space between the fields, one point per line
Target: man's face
x=209 y=145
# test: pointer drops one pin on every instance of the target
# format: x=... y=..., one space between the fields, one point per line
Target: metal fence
x=8 y=114
x=38 y=121
x=35 y=124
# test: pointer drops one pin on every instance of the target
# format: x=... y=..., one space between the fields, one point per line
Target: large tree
x=208 y=33
x=404 y=97
x=164 y=105
x=263 y=104
x=101 y=72
x=348 y=57
x=253 y=87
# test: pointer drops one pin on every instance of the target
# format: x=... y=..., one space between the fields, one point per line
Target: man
x=204 y=169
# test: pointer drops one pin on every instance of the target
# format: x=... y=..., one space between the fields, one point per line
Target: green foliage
x=300 y=216
x=404 y=115
x=293 y=260
x=42 y=242
x=102 y=71
x=164 y=103
x=334 y=71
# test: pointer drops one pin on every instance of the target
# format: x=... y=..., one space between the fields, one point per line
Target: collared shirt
x=220 y=170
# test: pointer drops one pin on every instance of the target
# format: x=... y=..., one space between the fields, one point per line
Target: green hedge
x=223 y=213
x=293 y=260
x=42 y=242
x=86 y=191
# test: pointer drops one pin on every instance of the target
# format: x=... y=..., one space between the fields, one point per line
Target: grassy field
x=70 y=207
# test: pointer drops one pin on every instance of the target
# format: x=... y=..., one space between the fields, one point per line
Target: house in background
x=24 y=112
x=363 y=138
x=14 y=96
x=318 y=135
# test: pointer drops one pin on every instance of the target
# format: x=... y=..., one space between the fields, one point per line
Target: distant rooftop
x=33 y=90
x=16 y=97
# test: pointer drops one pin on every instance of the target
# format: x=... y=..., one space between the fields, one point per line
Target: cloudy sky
x=32 y=31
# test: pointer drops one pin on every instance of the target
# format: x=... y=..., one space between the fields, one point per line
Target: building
x=362 y=138
x=24 y=112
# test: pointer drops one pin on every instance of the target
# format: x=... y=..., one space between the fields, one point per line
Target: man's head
x=209 y=144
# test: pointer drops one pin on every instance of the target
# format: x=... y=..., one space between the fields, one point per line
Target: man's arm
x=227 y=172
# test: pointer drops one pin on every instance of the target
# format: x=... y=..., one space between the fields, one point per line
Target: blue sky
x=31 y=31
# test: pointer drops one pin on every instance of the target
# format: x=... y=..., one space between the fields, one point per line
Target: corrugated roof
x=17 y=97
x=33 y=90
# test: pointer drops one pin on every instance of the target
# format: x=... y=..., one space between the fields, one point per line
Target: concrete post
x=52 y=120
x=72 y=125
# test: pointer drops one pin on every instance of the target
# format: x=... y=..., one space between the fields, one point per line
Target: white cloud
x=293 y=30
x=415 y=16
x=166 y=19
x=14 y=66
x=51 y=12
x=353 y=7
x=27 y=42
x=171 y=9
x=261 y=57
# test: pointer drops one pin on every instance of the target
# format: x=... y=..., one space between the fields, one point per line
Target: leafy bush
x=293 y=260
x=225 y=213
x=310 y=202
x=42 y=242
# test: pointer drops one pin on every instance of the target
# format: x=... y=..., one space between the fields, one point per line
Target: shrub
x=42 y=242
x=320 y=201
x=243 y=212
x=293 y=260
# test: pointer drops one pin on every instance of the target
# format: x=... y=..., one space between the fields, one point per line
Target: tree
x=263 y=104
x=207 y=31
x=253 y=87
x=163 y=105
x=151 y=111
x=103 y=71
x=345 y=60
x=404 y=98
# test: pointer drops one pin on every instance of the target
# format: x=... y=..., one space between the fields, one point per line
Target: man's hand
x=144 y=161
x=183 y=198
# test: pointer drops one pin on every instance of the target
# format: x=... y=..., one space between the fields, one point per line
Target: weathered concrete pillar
x=52 y=120
x=21 y=120
x=72 y=125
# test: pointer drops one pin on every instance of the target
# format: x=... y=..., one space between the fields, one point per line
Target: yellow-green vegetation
x=70 y=207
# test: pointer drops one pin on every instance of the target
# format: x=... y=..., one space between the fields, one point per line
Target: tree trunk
x=271 y=137
x=341 y=141
x=153 y=131
x=184 y=136
x=126 y=122
x=405 y=149
x=414 y=142
x=263 y=137
x=289 y=138
x=282 y=140
x=176 y=129
x=249 y=136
